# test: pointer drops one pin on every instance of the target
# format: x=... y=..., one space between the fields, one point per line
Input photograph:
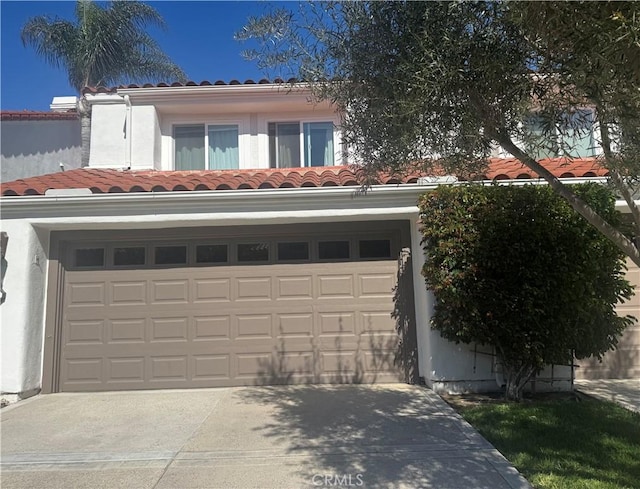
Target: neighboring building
x=37 y=143
x=215 y=240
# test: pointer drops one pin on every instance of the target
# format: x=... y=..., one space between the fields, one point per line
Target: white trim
x=151 y=94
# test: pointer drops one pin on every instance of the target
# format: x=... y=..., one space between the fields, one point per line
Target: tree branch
x=581 y=207
x=617 y=179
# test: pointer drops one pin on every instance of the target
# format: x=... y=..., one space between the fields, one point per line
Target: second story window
x=295 y=144
x=573 y=136
x=200 y=146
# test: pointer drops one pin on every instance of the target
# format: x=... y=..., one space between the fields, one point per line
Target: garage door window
x=374 y=248
x=293 y=251
x=334 y=250
x=129 y=256
x=217 y=253
x=171 y=255
x=253 y=252
x=89 y=257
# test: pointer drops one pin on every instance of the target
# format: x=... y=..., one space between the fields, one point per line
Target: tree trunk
x=84 y=111
x=517 y=377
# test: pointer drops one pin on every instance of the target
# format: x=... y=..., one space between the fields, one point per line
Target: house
x=218 y=239
x=37 y=143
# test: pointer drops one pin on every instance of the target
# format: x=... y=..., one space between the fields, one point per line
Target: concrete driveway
x=295 y=436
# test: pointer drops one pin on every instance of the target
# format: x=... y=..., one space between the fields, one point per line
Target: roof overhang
x=198 y=208
x=271 y=96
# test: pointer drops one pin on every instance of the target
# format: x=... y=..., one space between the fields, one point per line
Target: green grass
x=564 y=444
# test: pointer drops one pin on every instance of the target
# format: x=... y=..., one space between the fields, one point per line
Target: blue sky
x=199 y=39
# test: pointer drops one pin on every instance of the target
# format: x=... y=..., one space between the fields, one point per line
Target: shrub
x=516 y=268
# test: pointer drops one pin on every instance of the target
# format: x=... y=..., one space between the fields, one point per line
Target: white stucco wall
x=37 y=147
x=143 y=142
x=108 y=135
x=22 y=315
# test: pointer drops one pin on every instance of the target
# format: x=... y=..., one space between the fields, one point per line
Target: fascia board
x=160 y=94
x=104 y=98
x=233 y=201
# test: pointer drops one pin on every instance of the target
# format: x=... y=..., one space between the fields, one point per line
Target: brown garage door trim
x=61 y=243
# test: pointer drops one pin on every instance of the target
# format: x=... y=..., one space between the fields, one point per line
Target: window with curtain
x=540 y=145
x=318 y=144
x=285 y=149
x=189 y=147
x=284 y=144
x=221 y=141
x=579 y=139
x=574 y=138
x=223 y=147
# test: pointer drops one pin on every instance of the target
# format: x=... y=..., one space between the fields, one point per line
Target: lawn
x=563 y=442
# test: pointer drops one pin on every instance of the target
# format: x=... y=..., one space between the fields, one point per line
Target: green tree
x=443 y=84
x=105 y=45
x=517 y=269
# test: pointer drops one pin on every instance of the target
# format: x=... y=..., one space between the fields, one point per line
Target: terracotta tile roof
x=123 y=181
x=32 y=115
x=203 y=83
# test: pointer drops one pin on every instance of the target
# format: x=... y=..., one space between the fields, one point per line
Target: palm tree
x=104 y=46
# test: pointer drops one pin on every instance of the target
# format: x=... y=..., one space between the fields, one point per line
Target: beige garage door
x=215 y=312
x=624 y=361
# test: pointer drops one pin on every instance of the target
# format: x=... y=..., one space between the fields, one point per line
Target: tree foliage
x=105 y=45
x=517 y=269
x=442 y=84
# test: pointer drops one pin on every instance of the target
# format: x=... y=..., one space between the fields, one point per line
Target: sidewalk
x=624 y=392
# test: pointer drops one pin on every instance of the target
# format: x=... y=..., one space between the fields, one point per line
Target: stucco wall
x=143 y=137
x=37 y=147
x=22 y=315
x=108 y=131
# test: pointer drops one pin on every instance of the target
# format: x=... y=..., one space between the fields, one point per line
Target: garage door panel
x=253 y=327
x=216 y=290
x=377 y=322
x=336 y=323
x=86 y=294
x=212 y=328
x=250 y=365
x=129 y=293
x=168 y=367
x=84 y=332
x=126 y=330
x=251 y=289
x=336 y=286
x=86 y=370
x=214 y=367
x=169 y=329
x=291 y=325
x=377 y=285
x=170 y=291
x=126 y=369
x=294 y=288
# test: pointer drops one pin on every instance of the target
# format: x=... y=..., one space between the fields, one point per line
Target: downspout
x=128 y=131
